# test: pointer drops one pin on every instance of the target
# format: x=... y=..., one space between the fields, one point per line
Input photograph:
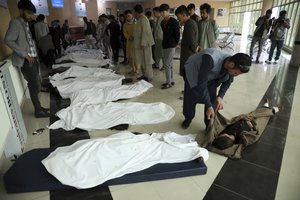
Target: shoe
x=46 y=109
x=185 y=124
x=275 y=62
x=162 y=69
x=166 y=86
x=268 y=62
x=172 y=83
x=140 y=78
x=42 y=114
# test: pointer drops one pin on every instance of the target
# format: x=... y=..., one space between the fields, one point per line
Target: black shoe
x=42 y=114
x=166 y=86
x=46 y=109
x=172 y=83
x=185 y=124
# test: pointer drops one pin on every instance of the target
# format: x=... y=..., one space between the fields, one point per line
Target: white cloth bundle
x=88 y=163
x=82 y=57
x=81 y=47
x=103 y=95
x=85 y=78
x=104 y=116
x=79 y=71
x=102 y=63
x=68 y=86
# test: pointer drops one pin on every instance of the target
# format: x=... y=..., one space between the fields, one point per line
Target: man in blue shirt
x=203 y=74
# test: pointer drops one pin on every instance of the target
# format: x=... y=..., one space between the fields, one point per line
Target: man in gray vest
x=19 y=39
x=204 y=73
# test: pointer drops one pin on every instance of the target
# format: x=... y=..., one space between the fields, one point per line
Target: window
x=292 y=7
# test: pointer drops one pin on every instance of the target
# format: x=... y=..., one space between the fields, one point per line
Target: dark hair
x=148 y=13
x=41 y=17
x=282 y=13
x=182 y=10
x=127 y=12
x=111 y=17
x=26 y=5
x=138 y=8
x=206 y=7
x=85 y=19
x=164 y=7
x=121 y=15
x=191 y=6
x=156 y=9
x=269 y=11
x=103 y=15
x=223 y=142
x=241 y=61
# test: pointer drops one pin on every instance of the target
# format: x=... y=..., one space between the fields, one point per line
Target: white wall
x=19 y=87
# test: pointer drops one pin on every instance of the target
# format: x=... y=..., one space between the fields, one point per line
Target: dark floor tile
x=248 y=180
x=274 y=136
x=279 y=122
x=265 y=155
x=102 y=193
x=216 y=193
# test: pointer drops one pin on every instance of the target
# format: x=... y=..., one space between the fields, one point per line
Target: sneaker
x=166 y=86
x=185 y=124
x=268 y=62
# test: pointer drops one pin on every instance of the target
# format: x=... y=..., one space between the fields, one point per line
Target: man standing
x=19 y=39
x=113 y=30
x=263 y=25
x=143 y=41
x=278 y=33
x=204 y=73
x=158 y=38
x=40 y=28
x=88 y=34
x=191 y=9
x=189 y=36
x=171 y=36
x=208 y=29
x=105 y=39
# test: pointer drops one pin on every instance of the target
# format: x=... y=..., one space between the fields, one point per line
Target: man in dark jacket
x=171 y=36
x=113 y=30
x=191 y=9
x=263 y=25
x=204 y=73
x=189 y=41
x=88 y=34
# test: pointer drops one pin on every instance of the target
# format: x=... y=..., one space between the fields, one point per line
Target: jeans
x=260 y=45
x=168 y=55
x=278 y=44
x=31 y=75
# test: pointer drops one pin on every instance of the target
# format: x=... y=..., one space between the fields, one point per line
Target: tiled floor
x=225 y=179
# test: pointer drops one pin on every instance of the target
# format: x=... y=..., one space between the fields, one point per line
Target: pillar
x=295 y=60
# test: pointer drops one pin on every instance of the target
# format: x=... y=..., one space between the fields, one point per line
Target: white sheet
x=103 y=63
x=104 y=116
x=79 y=71
x=88 y=163
x=103 y=95
x=85 y=78
x=83 y=57
x=68 y=86
x=81 y=47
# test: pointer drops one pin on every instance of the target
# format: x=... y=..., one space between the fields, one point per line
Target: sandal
x=166 y=86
